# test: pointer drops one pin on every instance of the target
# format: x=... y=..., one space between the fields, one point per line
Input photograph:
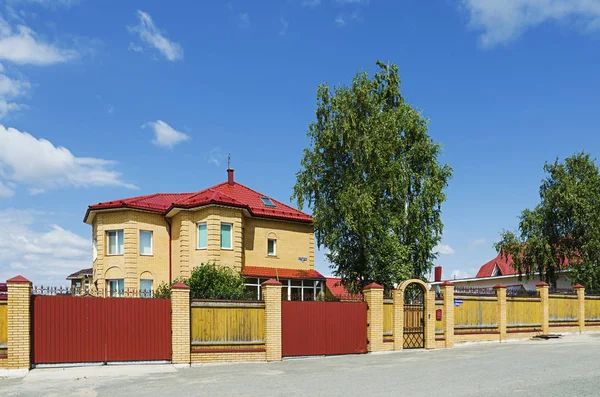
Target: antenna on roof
x=229 y=161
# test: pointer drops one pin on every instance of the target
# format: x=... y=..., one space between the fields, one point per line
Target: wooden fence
x=475 y=315
x=592 y=310
x=523 y=314
x=563 y=310
x=227 y=325
x=388 y=312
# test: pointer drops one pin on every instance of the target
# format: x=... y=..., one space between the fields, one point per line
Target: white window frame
x=143 y=291
x=274 y=253
x=317 y=285
x=94 y=249
x=258 y=285
x=117 y=231
x=198 y=235
x=120 y=293
x=230 y=236
x=151 y=242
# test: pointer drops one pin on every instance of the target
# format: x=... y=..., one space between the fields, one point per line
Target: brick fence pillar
x=374 y=298
x=501 y=316
x=447 y=289
x=272 y=297
x=398 y=319
x=19 y=325
x=429 y=298
x=542 y=289
x=580 y=306
x=180 y=325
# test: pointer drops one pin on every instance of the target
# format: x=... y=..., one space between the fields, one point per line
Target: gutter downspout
x=170 y=260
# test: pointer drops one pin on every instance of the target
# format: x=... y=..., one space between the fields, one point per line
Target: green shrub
x=209 y=281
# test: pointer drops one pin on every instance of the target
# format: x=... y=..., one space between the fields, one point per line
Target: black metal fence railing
x=474 y=291
x=564 y=291
x=93 y=292
x=521 y=292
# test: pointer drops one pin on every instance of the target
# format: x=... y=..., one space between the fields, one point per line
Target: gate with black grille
x=414 y=317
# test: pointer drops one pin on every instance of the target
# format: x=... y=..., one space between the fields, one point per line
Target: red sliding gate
x=70 y=329
x=321 y=328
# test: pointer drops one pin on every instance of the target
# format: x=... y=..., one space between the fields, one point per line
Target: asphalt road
x=566 y=367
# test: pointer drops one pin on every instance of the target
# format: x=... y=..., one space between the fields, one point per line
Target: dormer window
x=267 y=202
x=496 y=271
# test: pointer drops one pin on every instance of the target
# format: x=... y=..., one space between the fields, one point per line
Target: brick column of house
x=272 y=297
x=501 y=295
x=398 y=319
x=542 y=289
x=180 y=325
x=19 y=325
x=447 y=289
x=580 y=306
x=429 y=319
x=374 y=298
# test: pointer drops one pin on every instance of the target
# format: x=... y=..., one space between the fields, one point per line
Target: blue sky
x=105 y=100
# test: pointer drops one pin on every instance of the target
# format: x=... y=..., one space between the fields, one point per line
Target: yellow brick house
x=140 y=242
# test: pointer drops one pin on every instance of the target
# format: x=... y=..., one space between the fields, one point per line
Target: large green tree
x=373 y=180
x=564 y=228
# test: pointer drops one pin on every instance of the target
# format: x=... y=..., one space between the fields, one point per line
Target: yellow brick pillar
x=374 y=298
x=580 y=306
x=501 y=316
x=272 y=297
x=19 y=325
x=429 y=298
x=542 y=289
x=447 y=289
x=398 y=319
x=180 y=325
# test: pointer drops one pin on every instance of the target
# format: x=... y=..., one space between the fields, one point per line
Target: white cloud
x=39 y=164
x=284 y=26
x=444 y=249
x=22 y=46
x=311 y=3
x=6 y=191
x=457 y=274
x=216 y=156
x=244 y=20
x=11 y=88
x=340 y=21
x=502 y=21
x=478 y=242
x=152 y=37
x=165 y=135
x=49 y=3
x=47 y=252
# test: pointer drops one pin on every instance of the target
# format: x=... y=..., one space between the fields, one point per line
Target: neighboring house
x=81 y=281
x=3 y=291
x=336 y=290
x=141 y=242
x=500 y=271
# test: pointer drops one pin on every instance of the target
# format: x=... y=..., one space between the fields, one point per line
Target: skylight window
x=268 y=202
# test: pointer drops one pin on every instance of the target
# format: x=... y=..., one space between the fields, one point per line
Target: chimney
x=438 y=273
x=230 y=176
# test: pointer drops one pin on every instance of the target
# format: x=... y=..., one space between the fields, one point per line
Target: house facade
x=141 y=242
x=499 y=270
x=81 y=281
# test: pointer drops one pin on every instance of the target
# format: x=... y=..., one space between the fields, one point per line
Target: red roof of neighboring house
x=234 y=195
x=334 y=284
x=82 y=272
x=504 y=265
x=277 y=272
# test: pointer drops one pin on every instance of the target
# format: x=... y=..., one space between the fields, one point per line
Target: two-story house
x=140 y=242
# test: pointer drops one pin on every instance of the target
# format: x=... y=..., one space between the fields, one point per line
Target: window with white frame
x=301 y=290
x=226 y=236
x=202 y=236
x=145 y=242
x=94 y=249
x=253 y=285
x=146 y=290
x=115 y=287
x=114 y=242
x=272 y=247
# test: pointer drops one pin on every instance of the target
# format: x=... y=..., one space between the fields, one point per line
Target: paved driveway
x=566 y=367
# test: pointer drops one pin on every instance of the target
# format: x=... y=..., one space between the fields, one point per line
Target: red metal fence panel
x=322 y=328
x=67 y=329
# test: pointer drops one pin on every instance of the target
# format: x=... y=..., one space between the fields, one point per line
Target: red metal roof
x=282 y=273
x=334 y=284
x=504 y=264
x=234 y=195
